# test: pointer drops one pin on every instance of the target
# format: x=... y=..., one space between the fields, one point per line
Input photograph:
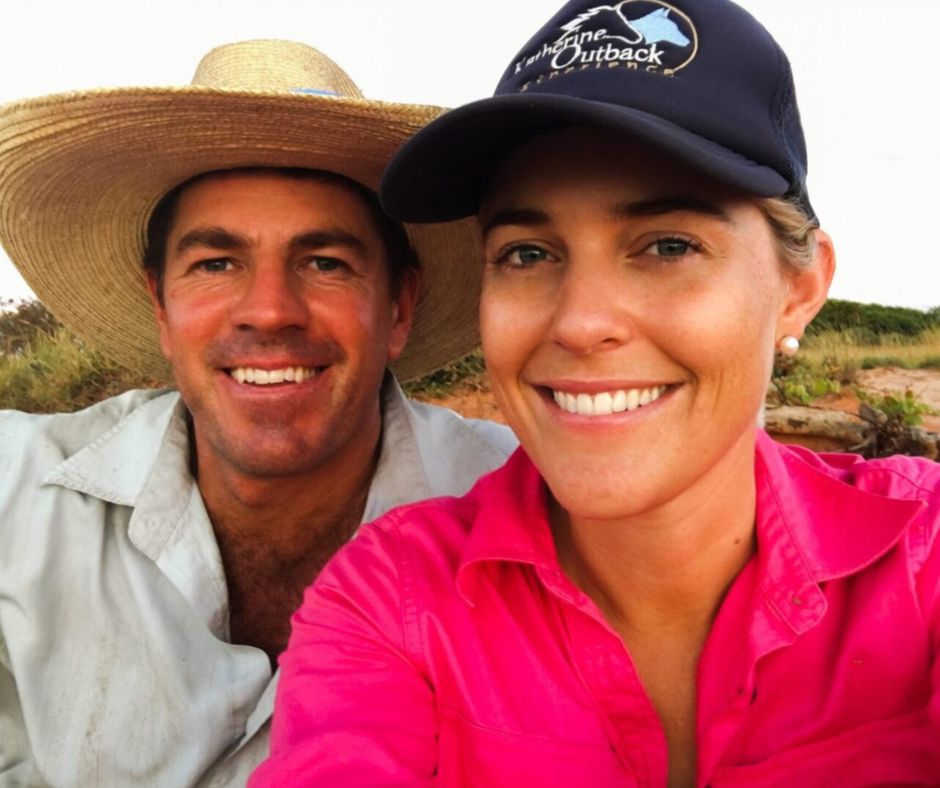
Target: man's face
x=278 y=319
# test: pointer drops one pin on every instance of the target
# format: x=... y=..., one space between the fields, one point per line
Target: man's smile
x=267 y=377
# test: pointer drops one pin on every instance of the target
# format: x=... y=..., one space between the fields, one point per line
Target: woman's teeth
x=266 y=377
x=607 y=402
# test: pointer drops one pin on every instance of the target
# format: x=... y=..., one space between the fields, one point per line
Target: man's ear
x=404 y=304
x=807 y=289
x=159 y=312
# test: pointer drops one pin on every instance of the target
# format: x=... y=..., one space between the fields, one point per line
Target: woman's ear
x=807 y=288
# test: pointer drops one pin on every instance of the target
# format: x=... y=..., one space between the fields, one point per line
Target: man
x=153 y=547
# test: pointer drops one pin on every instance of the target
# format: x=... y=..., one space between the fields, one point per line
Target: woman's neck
x=672 y=565
x=659 y=578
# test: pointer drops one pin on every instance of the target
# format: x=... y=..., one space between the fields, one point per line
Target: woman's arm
x=352 y=706
x=928 y=586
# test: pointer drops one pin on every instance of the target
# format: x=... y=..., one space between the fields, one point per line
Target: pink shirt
x=445 y=645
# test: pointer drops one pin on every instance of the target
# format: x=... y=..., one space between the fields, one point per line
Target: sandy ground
x=476 y=401
x=924 y=383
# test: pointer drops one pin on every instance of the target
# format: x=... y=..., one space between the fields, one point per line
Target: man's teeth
x=266 y=377
x=607 y=402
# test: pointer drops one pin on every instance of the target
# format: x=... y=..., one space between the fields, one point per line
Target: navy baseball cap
x=701 y=80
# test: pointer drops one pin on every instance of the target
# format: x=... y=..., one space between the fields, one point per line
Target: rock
x=822 y=430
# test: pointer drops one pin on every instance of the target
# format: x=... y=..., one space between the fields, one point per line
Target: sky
x=866 y=85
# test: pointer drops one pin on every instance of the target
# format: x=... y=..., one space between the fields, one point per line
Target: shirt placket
x=610 y=678
x=758 y=617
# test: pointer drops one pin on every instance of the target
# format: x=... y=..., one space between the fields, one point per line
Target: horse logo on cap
x=647 y=35
x=652 y=28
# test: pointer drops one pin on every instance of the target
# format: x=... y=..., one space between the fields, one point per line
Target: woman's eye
x=522 y=256
x=671 y=247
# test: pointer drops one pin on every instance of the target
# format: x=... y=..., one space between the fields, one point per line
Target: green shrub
x=797 y=382
x=871 y=321
x=905 y=409
x=21 y=323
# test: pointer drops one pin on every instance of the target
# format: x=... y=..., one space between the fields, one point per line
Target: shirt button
x=798 y=601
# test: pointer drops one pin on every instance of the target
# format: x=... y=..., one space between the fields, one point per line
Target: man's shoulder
x=456 y=451
x=39 y=441
x=449 y=423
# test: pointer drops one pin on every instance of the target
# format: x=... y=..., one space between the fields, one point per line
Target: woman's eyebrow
x=521 y=216
x=664 y=205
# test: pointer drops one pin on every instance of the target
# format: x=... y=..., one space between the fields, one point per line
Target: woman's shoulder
x=887 y=495
x=898 y=476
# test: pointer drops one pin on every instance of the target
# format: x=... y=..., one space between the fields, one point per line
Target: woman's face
x=629 y=316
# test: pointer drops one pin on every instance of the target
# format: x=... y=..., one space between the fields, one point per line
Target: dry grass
x=845 y=350
x=57 y=373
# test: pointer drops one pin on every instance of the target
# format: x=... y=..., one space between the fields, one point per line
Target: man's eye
x=326 y=264
x=216 y=265
x=522 y=256
x=671 y=247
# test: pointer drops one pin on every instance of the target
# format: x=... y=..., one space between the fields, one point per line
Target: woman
x=650 y=592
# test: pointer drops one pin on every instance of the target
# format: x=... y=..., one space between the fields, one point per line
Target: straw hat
x=81 y=172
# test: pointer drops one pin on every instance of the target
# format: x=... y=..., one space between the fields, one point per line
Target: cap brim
x=442 y=173
x=81 y=172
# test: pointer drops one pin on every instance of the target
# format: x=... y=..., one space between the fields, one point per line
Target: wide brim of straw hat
x=81 y=172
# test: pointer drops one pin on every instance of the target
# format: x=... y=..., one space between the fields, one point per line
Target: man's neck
x=276 y=534
x=288 y=514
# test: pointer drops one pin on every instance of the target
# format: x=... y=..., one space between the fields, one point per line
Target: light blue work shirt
x=115 y=662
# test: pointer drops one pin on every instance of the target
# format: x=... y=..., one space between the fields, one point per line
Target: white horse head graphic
x=608 y=17
x=650 y=29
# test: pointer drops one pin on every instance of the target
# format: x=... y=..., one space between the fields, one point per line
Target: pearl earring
x=788 y=345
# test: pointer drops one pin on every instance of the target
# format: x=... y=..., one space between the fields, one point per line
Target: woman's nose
x=592 y=310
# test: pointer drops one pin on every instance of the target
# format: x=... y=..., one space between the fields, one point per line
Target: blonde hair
x=793 y=230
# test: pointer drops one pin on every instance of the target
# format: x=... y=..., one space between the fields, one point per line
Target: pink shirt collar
x=805 y=515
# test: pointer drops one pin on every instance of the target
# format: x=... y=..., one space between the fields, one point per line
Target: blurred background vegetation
x=45 y=368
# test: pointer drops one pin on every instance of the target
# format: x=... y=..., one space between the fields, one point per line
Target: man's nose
x=271 y=300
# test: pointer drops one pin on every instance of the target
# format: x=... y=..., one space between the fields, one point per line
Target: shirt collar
x=147 y=452
x=399 y=474
x=511 y=524
x=813 y=525
x=838 y=526
x=143 y=462
x=116 y=466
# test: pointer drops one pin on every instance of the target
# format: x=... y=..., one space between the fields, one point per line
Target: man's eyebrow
x=523 y=216
x=212 y=238
x=664 y=205
x=317 y=239
x=220 y=238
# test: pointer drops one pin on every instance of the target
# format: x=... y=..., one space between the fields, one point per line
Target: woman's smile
x=629 y=312
x=605 y=403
